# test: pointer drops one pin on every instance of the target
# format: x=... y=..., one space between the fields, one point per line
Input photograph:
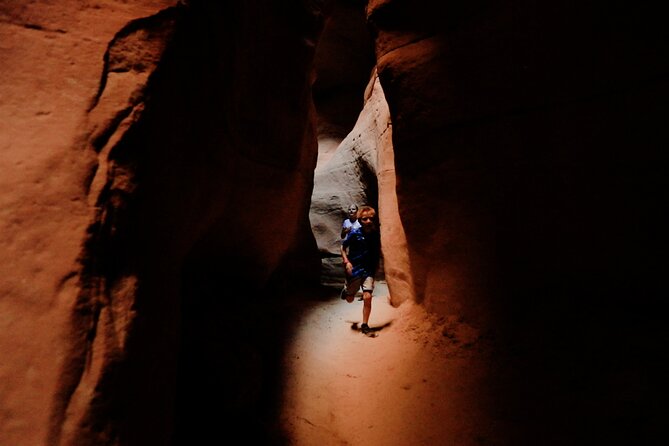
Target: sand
x=400 y=386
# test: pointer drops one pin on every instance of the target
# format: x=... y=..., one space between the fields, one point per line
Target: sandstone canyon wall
x=362 y=170
x=50 y=73
x=527 y=144
x=156 y=171
x=157 y=165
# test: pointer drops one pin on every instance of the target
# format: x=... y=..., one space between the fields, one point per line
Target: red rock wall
x=156 y=174
x=165 y=162
x=527 y=140
x=51 y=55
x=224 y=143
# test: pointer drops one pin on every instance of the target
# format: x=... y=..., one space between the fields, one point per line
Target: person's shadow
x=373 y=330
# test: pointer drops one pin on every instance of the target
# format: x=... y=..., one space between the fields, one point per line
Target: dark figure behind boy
x=361 y=251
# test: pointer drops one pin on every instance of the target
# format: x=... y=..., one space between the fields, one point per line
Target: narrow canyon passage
x=400 y=387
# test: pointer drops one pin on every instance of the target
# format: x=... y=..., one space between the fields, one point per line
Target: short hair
x=366 y=210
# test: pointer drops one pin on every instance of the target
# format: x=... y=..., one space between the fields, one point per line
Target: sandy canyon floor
x=404 y=385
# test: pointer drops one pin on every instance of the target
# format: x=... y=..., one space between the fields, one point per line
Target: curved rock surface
x=157 y=165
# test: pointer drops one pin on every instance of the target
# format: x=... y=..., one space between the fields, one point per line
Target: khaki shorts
x=353 y=285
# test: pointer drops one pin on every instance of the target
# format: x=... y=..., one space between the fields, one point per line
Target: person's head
x=352 y=211
x=367 y=218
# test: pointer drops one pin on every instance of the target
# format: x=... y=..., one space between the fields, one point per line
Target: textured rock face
x=343 y=64
x=145 y=183
x=156 y=169
x=362 y=171
x=346 y=166
x=348 y=176
x=526 y=145
x=50 y=71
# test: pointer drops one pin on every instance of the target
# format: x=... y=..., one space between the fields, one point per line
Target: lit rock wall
x=156 y=169
x=149 y=150
x=362 y=171
x=52 y=59
x=348 y=176
x=396 y=265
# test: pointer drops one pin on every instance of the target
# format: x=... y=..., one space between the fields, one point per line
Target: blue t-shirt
x=364 y=251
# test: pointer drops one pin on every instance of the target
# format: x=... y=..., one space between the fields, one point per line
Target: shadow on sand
x=373 y=331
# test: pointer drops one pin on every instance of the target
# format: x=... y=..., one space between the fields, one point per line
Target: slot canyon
x=173 y=178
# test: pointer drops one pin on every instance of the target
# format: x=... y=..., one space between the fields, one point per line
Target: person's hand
x=349 y=268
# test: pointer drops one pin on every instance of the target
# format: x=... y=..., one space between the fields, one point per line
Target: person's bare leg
x=366 y=306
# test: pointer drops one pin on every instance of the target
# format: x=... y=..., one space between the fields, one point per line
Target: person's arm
x=348 y=266
x=345 y=229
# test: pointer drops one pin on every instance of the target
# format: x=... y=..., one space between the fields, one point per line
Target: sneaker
x=364 y=328
x=342 y=294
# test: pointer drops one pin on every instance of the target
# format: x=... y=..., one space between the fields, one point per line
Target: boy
x=360 y=252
